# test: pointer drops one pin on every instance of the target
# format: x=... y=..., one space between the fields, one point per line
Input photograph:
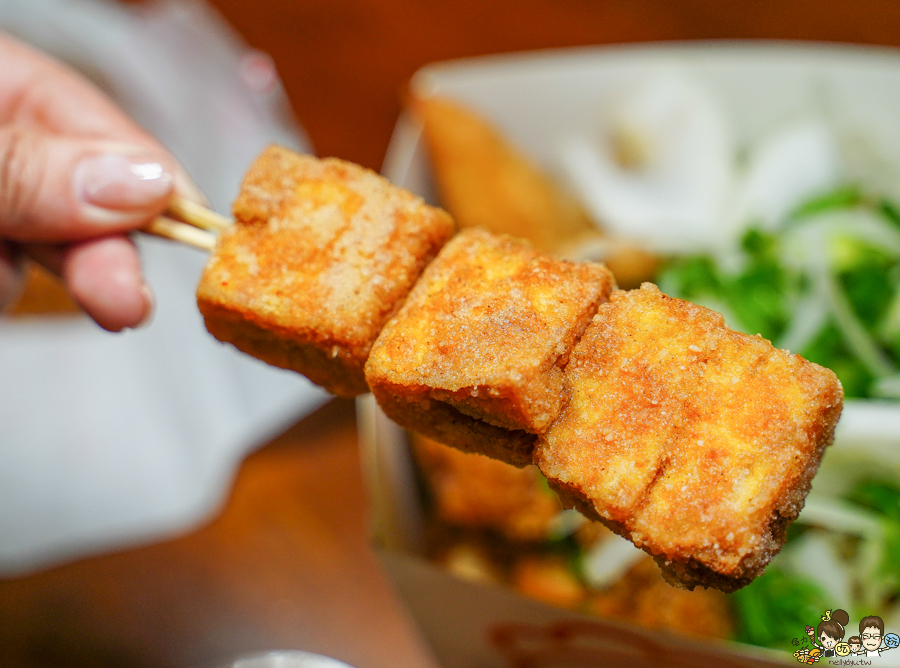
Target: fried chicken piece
x=642 y=597
x=548 y=578
x=696 y=442
x=473 y=491
x=321 y=256
x=474 y=357
x=484 y=181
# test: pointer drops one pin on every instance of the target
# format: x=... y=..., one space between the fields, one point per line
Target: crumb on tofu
x=322 y=254
x=696 y=442
x=485 y=332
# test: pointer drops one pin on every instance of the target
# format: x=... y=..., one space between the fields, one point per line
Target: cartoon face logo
x=830 y=631
x=827 y=641
x=871 y=637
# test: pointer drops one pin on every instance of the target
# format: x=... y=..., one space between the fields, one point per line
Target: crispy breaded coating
x=447 y=425
x=321 y=256
x=696 y=442
x=478 y=492
x=485 y=332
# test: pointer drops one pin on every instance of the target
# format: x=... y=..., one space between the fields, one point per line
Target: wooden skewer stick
x=181 y=232
x=196 y=215
x=194 y=225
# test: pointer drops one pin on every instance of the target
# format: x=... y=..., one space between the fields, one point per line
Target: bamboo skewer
x=167 y=228
x=189 y=223
x=196 y=215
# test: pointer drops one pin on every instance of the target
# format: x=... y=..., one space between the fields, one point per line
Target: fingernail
x=122 y=183
x=147 y=294
x=189 y=190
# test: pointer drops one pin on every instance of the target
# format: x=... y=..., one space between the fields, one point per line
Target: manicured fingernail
x=189 y=190
x=147 y=294
x=121 y=182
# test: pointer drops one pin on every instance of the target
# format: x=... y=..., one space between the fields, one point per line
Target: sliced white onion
x=786 y=169
x=890 y=328
x=662 y=168
x=807 y=247
x=565 y=523
x=838 y=515
x=855 y=334
x=814 y=556
x=888 y=387
x=809 y=315
x=609 y=560
x=860 y=224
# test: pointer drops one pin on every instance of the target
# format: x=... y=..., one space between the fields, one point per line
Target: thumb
x=55 y=189
x=11 y=275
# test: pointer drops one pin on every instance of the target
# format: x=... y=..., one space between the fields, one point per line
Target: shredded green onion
x=826 y=285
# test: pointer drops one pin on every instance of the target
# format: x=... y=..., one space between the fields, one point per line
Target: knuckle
x=20 y=177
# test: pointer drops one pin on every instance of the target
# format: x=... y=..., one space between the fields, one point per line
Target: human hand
x=76 y=175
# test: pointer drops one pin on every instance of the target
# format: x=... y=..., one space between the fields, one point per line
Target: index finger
x=40 y=92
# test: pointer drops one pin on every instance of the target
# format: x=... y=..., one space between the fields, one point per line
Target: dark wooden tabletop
x=345 y=63
x=287 y=564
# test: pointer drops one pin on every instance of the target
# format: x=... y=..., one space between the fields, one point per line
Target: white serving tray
x=535 y=99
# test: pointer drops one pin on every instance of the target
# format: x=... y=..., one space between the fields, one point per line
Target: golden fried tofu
x=474 y=357
x=321 y=256
x=696 y=442
x=478 y=492
x=484 y=181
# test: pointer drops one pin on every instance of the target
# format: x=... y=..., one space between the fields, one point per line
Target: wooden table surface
x=287 y=563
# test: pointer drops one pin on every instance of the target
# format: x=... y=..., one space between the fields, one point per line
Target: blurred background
x=344 y=63
x=285 y=560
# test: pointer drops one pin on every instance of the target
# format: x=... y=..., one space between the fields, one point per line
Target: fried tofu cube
x=696 y=442
x=474 y=357
x=322 y=254
x=477 y=492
